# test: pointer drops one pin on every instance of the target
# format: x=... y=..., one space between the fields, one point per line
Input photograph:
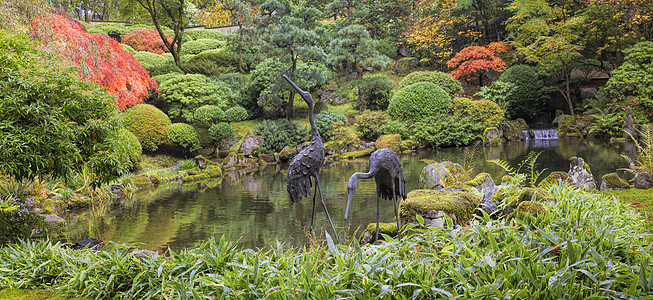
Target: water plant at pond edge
x=586 y=246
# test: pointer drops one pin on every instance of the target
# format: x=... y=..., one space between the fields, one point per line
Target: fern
x=644 y=160
x=530 y=163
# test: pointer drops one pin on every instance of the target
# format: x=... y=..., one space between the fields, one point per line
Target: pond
x=254 y=209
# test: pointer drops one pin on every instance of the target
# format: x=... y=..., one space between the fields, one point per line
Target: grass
x=640 y=200
x=38 y=294
x=586 y=247
x=156 y=161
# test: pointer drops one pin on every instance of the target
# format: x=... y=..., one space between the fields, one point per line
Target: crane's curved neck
x=314 y=132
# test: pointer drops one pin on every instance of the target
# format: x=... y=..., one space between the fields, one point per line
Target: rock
x=405 y=65
x=213 y=171
x=230 y=161
x=287 y=153
x=390 y=141
x=643 y=180
x=326 y=95
x=94 y=244
x=403 y=51
x=432 y=205
x=369 y=235
x=53 y=220
x=409 y=145
x=513 y=130
x=554 y=178
x=200 y=160
x=528 y=208
x=612 y=182
x=267 y=158
x=142 y=254
x=433 y=175
x=557 y=119
x=629 y=125
x=565 y=126
x=484 y=183
x=250 y=143
x=492 y=136
x=581 y=174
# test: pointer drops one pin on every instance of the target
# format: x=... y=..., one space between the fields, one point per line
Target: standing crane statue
x=388 y=173
x=307 y=164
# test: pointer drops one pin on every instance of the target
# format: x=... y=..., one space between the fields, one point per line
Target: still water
x=254 y=209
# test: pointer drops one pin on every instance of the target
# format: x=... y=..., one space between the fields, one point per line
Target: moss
x=492 y=141
x=553 y=179
x=213 y=171
x=528 y=208
x=512 y=130
x=564 y=125
x=231 y=156
x=532 y=194
x=385 y=228
x=141 y=181
x=640 y=200
x=390 y=141
x=522 y=123
x=408 y=144
x=506 y=178
x=614 y=181
x=355 y=154
x=478 y=180
x=193 y=171
x=460 y=204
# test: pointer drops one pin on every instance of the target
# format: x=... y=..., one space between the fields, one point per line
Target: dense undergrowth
x=587 y=246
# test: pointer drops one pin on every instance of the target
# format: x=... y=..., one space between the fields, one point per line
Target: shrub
x=148 y=124
x=157 y=64
x=212 y=62
x=128 y=49
x=239 y=85
x=198 y=46
x=146 y=40
x=418 y=101
x=222 y=132
x=441 y=79
x=396 y=127
x=485 y=112
x=377 y=90
x=280 y=133
x=184 y=93
x=528 y=95
x=113 y=30
x=184 y=136
x=631 y=85
x=236 y=114
x=199 y=34
x=208 y=114
x=447 y=130
x=325 y=119
x=165 y=30
x=127 y=147
x=369 y=123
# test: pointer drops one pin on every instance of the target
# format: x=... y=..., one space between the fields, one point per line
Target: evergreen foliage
x=419 y=101
x=324 y=122
x=441 y=79
x=183 y=94
x=148 y=124
x=211 y=63
x=222 y=132
x=184 y=136
x=280 y=133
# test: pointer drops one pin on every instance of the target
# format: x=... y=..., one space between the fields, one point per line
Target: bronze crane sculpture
x=307 y=164
x=388 y=174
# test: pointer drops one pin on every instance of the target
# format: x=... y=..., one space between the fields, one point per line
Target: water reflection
x=254 y=209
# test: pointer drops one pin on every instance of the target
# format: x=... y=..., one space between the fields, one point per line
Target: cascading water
x=541 y=134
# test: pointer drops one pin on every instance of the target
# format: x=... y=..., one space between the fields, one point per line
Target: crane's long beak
x=350 y=195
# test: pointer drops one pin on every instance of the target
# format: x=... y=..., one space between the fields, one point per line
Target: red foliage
x=472 y=61
x=498 y=48
x=100 y=59
x=146 y=40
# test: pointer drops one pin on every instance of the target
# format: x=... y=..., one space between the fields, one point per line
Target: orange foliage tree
x=474 y=61
x=146 y=40
x=100 y=59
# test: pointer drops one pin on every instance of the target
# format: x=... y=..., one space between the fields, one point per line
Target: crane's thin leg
x=378 y=216
x=317 y=183
x=313 y=213
x=394 y=198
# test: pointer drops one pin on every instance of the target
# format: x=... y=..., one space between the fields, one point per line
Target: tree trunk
x=291 y=101
x=480 y=79
x=361 y=98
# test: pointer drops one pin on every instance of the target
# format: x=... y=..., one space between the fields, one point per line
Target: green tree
x=241 y=15
x=631 y=85
x=352 y=49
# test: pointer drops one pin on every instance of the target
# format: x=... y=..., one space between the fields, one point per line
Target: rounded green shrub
x=324 y=121
x=198 y=46
x=446 y=130
x=126 y=146
x=148 y=124
x=198 y=34
x=447 y=82
x=208 y=114
x=157 y=64
x=378 y=90
x=528 y=95
x=128 y=49
x=280 y=133
x=236 y=114
x=113 y=30
x=211 y=63
x=396 y=127
x=222 y=132
x=369 y=123
x=183 y=94
x=419 y=101
x=485 y=112
x=184 y=136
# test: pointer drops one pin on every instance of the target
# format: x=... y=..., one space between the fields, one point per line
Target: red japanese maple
x=473 y=61
x=100 y=59
x=146 y=40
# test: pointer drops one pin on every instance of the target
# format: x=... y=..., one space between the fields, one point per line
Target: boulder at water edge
x=580 y=172
x=612 y=182
x=555 y=178
x=484 y=184
x=512 y=130
x=643 y=180
x=432 y=205
x=384 y=228
x=390 y=141
x=532 y=208
x=434 y=174
x=250 y=143
x=492 y=136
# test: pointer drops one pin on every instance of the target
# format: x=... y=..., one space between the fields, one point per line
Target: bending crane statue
x=307 y=164
x=386 y=169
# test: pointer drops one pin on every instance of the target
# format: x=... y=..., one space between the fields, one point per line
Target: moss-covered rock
x=529 y=208
x=390 y=141
x=478 y=180
x=532 y=194
x=432 y=205
x=438 y=175
x=564 y=125
x=287 y=153
x=141 y=181
x=408 y=145
x=512 y=130
x=554 y=178
x=230 y=161
x=612 y=182
x=355 y=154
x=369 y=235
x=213 y=171
x=580 y=173
x=492 y=136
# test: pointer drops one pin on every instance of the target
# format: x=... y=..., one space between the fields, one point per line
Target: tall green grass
x=586 y=247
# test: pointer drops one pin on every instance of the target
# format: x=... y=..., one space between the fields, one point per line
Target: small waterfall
x=541 y=134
